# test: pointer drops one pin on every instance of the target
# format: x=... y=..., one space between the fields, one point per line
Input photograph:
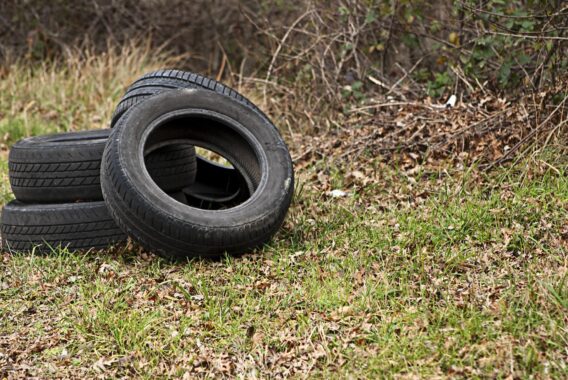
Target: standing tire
x=65 y=167
x=210 y=180
x=76 y=226
x=244 y=137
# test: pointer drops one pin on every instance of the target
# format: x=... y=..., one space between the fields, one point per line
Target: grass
x=78 y=94
x=427 y=275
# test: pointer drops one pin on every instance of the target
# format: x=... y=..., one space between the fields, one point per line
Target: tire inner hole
x=228 y=170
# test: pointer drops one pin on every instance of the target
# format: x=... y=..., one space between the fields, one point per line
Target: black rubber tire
x=77 y=226
x=158 y=81
x=249 y=141
x=216 y=187
x=65 y=167
x=210 y=187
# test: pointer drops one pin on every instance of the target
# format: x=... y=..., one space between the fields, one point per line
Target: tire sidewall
x=126 y=145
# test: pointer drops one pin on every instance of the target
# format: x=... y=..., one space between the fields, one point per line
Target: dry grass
x=77 y=92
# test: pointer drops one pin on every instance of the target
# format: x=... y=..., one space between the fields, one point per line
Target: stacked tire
x=56 y=182
x=142 y=178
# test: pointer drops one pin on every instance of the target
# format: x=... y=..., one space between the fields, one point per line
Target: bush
x=317 y=46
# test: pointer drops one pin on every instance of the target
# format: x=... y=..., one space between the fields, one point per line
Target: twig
x=263 y=81
x=530 y=37
x=386 y=87
x=281 y=43
x=540 y=69
x=391 y=104
x=406 y=74
x=560 y=125
x=222 y=68
x=303 y=155
x=527 y=137
x=481 y=87
x=531 y=16
x=461 y=131
x=241 y=71
x=389 y=37
x=458 y=74
x=378 y=82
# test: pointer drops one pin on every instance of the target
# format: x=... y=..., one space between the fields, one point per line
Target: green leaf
x=505 y=73
x=371 y=16
x=357 y=85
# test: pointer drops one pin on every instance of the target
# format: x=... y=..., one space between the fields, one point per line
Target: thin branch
x=529 y=17
x=281 y=43
x=530 y=37
x=406 y=74
x=527 y=137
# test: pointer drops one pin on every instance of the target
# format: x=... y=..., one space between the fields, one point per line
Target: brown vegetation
x=324 y=67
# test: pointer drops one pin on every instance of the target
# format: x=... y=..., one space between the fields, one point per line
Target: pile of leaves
x=483 y=128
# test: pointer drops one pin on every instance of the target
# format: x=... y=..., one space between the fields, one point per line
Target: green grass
x=469 y=282
x=430 y=275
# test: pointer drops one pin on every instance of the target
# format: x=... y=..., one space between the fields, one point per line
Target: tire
x=216 y=187
x=160 y=223
x=159 y=81
x=77 y=226
x=65 y=167
x=205 y=185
